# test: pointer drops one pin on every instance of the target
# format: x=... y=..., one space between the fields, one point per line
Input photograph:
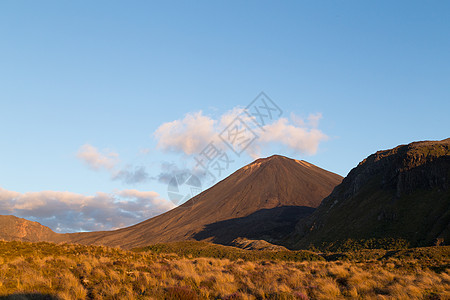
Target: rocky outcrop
x=404 y=168
x=261 y=245
x=403 y=192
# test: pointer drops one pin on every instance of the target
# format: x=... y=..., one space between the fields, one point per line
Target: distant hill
x=17 y=229
x=400 y=193
x=263 y=200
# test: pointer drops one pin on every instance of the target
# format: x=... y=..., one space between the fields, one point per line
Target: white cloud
x=188 y=135
x=301 y=139
x=195 y=131
x=313 y=120
x=69 y=212
x=96 y=160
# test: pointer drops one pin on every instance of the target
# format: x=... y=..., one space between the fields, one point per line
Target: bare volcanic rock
x=263 y=200
x=402 y=193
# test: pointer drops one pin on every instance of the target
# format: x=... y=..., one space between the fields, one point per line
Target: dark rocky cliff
x=403 y=193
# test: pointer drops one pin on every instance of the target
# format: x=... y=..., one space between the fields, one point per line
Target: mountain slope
x=403 y=193
x=17 y=229
x=263 y=199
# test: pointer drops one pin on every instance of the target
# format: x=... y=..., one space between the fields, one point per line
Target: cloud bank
x=191 y=134
x=71 y=212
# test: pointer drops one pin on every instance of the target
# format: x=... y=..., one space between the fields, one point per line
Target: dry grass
x=88 y=272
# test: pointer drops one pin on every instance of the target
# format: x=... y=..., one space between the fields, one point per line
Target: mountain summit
x=261 y=200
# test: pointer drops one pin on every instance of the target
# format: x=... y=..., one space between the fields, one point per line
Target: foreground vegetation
x=192 y=249
x=93 y=272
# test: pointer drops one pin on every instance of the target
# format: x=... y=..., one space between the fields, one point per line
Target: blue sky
x=87 y=80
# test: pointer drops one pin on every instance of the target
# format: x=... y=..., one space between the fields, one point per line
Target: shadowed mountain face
x=263 y=199
x=267 y=224
x=403 y=193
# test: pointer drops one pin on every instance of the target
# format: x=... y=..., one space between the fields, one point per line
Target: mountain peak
x=279 y=160
x=272 y=158
x=264 y=198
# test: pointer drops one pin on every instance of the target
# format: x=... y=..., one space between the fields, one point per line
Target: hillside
x=400 y=193
x=13 y=228
x=263 y=200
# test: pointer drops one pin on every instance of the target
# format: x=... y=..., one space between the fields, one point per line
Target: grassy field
x=193 y=270
x=193 y=249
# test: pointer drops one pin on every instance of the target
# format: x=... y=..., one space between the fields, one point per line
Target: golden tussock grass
x=91 y=272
